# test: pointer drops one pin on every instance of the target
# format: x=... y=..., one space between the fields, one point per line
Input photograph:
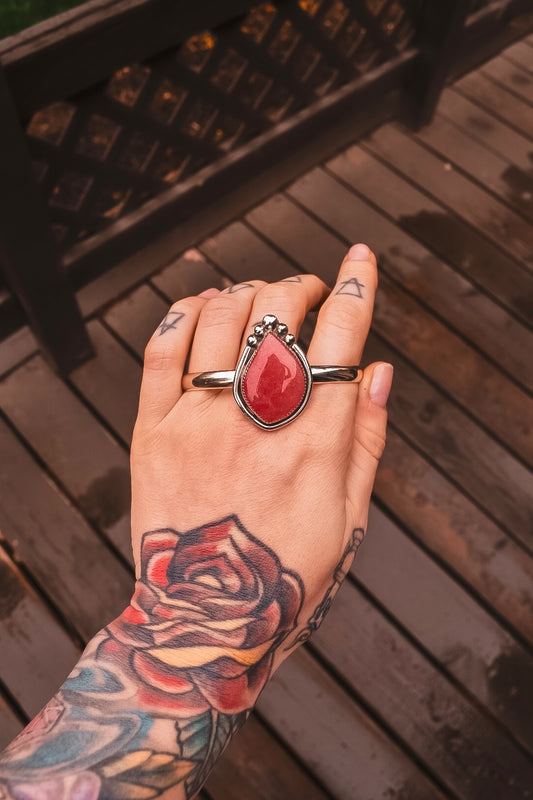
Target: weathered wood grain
x=520 y=54
x=110 y=381
x=498 y=223
x=463 y=747
x=37 y=654
x=55 y=543
x=135 y=317
x=498 y=101
x=83 y=456
x=350 y=755
x=484 y=127
x=256 y=765
x=479 y=162
x=10 y=724
x=514 y=79
x=448 y=623
x=190 y=274
x=446 y=235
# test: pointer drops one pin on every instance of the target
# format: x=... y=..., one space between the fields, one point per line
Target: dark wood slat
x=190 y=274
x=351 y=756
x=448 y=623
x=110 y=381
x=519 y=54
x=495 y=173
x=466 y=750
x=52 y=539
x=316 y=249
x=456 y=531
x=498 y=101
x=136 y=317
x=37 y=654
x=484 y=127
x=448 y=236
x=464 y=198
x=256 y=765
x=10 y=725
x=448 y=294
x=244 y=257
x=484 y=470
x=512 y=78
x=92 y=467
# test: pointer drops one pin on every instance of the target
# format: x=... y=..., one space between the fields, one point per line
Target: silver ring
x=273 y=380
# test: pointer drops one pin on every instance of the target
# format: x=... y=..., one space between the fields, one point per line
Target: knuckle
x=220 y=311
x=156 y=357
x=341 y=315
x=276 y=297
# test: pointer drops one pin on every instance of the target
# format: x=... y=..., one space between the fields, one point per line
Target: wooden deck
x=420 y=683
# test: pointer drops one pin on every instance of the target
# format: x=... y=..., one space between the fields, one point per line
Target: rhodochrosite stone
x=275 y=382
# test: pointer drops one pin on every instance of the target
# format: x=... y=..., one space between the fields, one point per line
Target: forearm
x=158 y=694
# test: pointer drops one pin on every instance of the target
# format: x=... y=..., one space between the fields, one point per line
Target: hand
x=303 y=489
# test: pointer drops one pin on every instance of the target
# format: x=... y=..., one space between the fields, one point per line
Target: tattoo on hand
x=341 y=570
x=292 y=279
x=353 y=287
x=170 y=321
x=183 y=664
x=236 y=287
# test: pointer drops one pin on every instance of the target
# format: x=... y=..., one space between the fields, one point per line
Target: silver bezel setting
x=270 y=324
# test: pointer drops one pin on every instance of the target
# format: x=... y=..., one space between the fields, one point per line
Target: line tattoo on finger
x=292 y=279
x=236 y=287
x=353 y=287
x=170 y=321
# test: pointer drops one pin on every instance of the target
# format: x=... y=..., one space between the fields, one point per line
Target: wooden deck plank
x=87 y=462
x=288 y=226
x=10 y=725
x=447 y=236
x=487 y=168
x=52 y=538
x=37 y=654
x=498 y=101
x=351 y=756
x=449 y=297
x=457 y=532
x=110 y=381
x=467 y=751
x=255 y=765
x=244 y=257
x=136 y=317
x=510 y=77
x=489 y=475
x=498 y=223
x=447 y=622
x=190 y=274
x=484 y=127
x=519 y=54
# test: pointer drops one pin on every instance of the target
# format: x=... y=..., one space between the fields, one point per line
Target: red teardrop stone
x=275 y=383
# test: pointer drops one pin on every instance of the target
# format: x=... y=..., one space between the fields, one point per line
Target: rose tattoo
x=209 y=611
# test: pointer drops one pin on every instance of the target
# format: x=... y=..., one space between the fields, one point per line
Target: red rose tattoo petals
x=208 y=613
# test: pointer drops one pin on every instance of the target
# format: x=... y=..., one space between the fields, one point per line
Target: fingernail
x=359 y=252
x=381 y=384
x=209 y=293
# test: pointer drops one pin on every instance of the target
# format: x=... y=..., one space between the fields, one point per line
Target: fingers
x=342 y=327
x=369 y=431
x=164 y=360
x=289 y=300
x=344 y=319
x=218 y=335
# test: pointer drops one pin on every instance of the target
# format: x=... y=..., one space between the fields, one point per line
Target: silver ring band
x=224 y=379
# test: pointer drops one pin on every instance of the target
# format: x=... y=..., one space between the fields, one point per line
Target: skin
x=224 y=509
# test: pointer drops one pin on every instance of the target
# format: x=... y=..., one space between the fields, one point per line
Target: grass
x=15 y=15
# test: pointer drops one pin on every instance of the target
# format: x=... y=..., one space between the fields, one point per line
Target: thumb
x=369 y=431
